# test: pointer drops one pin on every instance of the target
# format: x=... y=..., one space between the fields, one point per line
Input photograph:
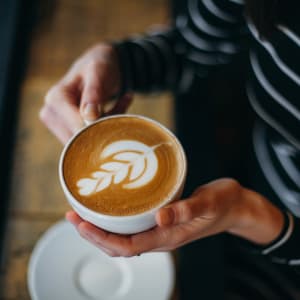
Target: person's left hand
x=220 y=206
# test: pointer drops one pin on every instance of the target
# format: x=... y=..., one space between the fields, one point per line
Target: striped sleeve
x=273 y=90
x=205 y=35
x=284 y=249
x=274 y=82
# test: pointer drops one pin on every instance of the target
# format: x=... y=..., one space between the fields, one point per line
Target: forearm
x=260 y=221
x=265 y=230
x=172 y=58
x=150 y=63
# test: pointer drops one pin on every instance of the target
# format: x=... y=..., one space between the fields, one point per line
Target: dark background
x=16 y=22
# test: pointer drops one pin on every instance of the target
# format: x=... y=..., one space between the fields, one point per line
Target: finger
x=115 y=243
x=185 y=210
x=123 y=245
x=92 y=98
x=106 y=251
x=63 y=101
x=73 y=218
x=122 y=105
x=71 y=116
x=89 y=237
x=55 y=124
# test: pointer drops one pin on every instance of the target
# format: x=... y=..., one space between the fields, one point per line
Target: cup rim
x=95 y=214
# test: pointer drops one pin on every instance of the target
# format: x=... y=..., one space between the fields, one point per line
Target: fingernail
x=167 y=216
x=91 y=111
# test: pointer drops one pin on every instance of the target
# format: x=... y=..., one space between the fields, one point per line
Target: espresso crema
x=123 y=166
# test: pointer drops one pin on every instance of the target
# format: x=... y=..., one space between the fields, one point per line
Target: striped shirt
x=208 y=34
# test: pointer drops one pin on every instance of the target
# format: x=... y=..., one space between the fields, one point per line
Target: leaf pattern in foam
x=104 y=183
x=86 y=186
x=138 y=168
x=129 y=161
x=127 y=156
x=121 y=175
x=112 y=166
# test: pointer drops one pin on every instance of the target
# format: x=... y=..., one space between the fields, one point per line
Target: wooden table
x=65 y=29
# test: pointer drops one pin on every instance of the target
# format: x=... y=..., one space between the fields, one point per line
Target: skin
x=83 y=92
x=219 y=206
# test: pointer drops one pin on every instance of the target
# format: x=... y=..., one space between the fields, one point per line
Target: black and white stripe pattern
x=274 y=90
x=209 y=34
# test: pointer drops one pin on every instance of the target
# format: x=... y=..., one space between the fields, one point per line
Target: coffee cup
x=117 y=172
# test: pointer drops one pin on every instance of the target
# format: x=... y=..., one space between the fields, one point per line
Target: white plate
x=63 y=266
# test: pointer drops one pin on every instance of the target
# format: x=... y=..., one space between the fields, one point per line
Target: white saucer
x=63 y=266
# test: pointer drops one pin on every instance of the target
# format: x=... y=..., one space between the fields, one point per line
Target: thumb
x=183 y=211
x=91 y=105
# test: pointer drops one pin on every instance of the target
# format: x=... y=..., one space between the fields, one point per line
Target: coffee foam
x=125 y=159
x=122 y=166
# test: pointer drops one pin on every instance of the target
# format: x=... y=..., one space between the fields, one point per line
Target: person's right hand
x=81 y=94
x=219 y=206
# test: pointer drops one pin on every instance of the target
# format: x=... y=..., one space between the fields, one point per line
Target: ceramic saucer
x=63 y=266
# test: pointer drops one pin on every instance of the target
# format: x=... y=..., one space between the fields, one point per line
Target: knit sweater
x=207 y=34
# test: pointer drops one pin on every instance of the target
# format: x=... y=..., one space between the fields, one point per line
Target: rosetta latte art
x=129 y=163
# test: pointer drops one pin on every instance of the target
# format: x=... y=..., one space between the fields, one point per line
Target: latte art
x=129 y=163
x=123 y=166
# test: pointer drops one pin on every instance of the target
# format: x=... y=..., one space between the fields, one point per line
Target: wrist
x=259 y=221
x=106 y=57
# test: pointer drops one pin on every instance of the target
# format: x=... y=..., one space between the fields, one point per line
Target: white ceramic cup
x=123 y=224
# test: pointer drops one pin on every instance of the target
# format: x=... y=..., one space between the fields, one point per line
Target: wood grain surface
x=64 y=30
